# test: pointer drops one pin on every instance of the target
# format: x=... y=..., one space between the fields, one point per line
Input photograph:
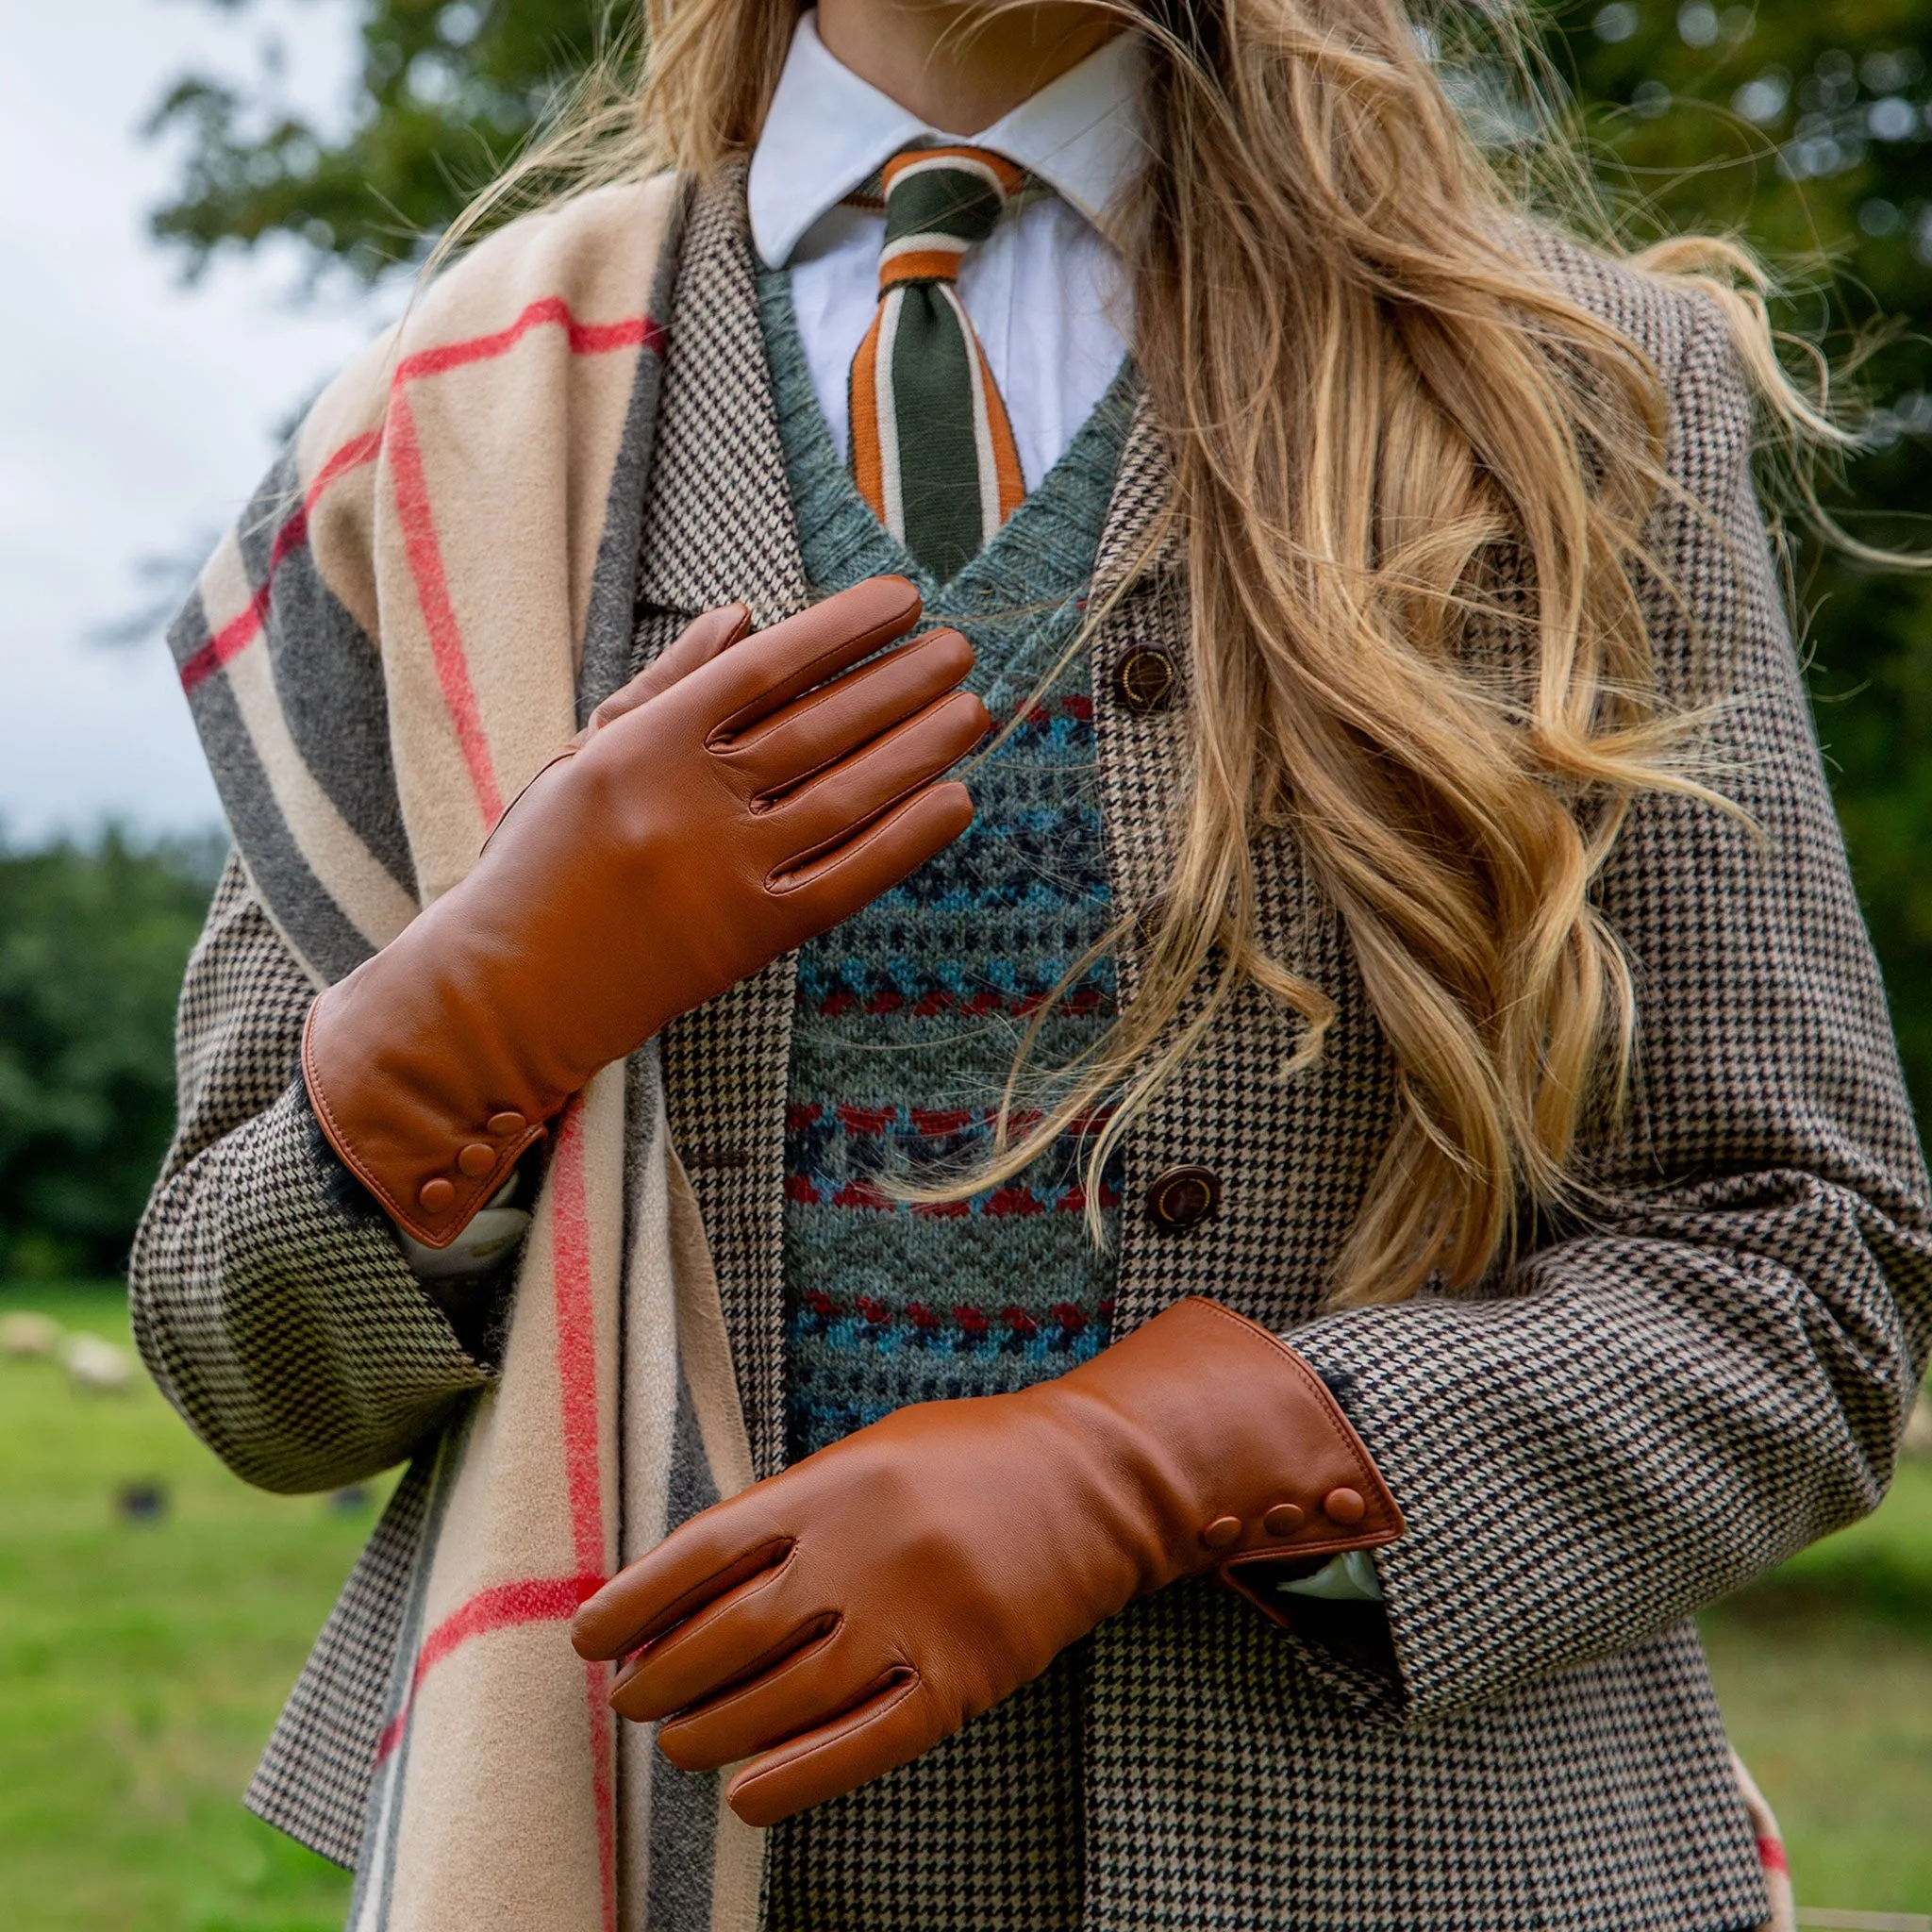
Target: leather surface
x=740 y=794
x=841 y=1618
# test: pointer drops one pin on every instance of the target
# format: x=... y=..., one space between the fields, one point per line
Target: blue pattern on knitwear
x=909 y=1014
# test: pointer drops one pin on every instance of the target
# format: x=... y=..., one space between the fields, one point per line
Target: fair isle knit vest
x=903 y=1031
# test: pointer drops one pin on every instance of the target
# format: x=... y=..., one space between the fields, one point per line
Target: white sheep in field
x=27 y=1337
x=98 y=1366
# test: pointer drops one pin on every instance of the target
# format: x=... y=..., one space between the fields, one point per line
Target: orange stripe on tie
x=1005 y=452
x=868 y=470
x=920 y=265
x=1009 y=179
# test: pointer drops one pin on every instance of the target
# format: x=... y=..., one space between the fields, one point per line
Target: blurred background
x=205 y=207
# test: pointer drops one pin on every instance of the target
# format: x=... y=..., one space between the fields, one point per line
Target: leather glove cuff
x=432 y=1125
x=1239 y=1447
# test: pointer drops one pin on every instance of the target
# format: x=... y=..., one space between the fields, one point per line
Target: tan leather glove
x=844 y=1616
x=724 y=807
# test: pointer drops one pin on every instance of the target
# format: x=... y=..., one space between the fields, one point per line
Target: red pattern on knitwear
x=973 y=1321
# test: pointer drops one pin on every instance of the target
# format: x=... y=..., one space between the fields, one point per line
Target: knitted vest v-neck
x=906 y=1019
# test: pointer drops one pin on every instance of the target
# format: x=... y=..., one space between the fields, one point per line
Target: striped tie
x=932 y=451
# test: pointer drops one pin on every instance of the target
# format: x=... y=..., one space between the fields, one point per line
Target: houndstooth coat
x=1637 y=1417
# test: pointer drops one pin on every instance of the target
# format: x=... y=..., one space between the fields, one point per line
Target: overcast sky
x=135 y=414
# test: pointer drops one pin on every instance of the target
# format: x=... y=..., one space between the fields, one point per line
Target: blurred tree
x=1808 y=129
x=1803 y=127
x=449 y=88
x=92 y=942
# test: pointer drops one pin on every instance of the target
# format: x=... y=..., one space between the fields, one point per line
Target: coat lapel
x=717 y=528
x=718 y=520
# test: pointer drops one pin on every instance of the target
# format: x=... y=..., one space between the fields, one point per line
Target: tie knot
x=940 y=202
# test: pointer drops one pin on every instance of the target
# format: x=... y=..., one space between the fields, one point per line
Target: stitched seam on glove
x=747 y=1780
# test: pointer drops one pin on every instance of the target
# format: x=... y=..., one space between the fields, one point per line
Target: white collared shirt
x=1046 y=290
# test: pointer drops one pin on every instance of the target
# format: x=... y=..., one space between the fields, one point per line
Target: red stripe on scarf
x=576 y=1341
x=603 y=1783
x=586 y=339
x=1771 y=1854
x=424 y=553
x=240 y=632
x=576 y=1372
x=503 y=1607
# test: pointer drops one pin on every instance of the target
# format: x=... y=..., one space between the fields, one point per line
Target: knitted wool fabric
x=908 y=1013
x=905 y=1028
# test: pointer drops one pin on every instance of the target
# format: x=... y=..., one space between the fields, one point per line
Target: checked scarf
x=401 y=630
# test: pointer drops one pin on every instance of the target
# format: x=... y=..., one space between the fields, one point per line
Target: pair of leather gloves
x=743 y=793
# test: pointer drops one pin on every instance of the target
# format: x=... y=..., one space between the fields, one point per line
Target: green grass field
x=141 y=1664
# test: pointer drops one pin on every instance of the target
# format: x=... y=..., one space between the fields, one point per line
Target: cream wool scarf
x=459 y=497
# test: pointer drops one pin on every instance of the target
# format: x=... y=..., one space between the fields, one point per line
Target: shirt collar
x=828 y=130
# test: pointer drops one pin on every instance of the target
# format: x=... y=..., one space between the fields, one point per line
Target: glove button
x=1222 y=1531
x=506 y=1124
x=1344 y=1506
x=476 y=1159
x=1284 y=1518
x=435 y=1196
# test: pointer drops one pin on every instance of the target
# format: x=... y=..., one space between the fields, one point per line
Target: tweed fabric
x=313 y=1779
x=272 y=1308
x=1295 y=1159
x=1542 y=1749
x=983 y=1832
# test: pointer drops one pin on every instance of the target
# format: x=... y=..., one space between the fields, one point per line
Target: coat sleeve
x=271 y=1301
x=1712 y=1365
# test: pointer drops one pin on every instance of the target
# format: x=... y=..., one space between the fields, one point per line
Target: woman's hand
x=741 y=795
x=846 y=1615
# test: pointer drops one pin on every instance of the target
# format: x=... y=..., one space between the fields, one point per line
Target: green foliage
x=92 y=942
x=447 y=92
x=1809 y=131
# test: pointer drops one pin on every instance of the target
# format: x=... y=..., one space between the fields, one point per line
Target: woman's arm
x=271 y=1300
x=1713 y=1368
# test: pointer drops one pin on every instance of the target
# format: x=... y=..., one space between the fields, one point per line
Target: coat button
x=1145 y=678
x=1284 y=1518
x=436 y=1195
x=1344 y=1506
x=476 y=1159
x=506 y=1124
x=1182 y=1196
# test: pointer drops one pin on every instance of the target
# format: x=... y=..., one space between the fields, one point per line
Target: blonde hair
x=1370 y=398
